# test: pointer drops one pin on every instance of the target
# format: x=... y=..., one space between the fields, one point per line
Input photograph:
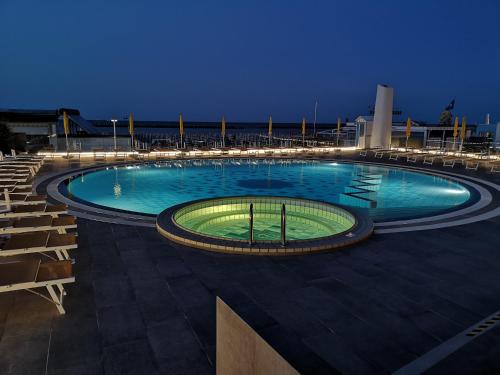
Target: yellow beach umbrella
x=455 y=128
x=131 y=124
x=223 y=127
x=131 y=128
x=270 y=130
x=303 y=128
x=66 y=123
x=66 y=129
x=463 y=130
x=339 y=123
x=408 y=128
x=181 y=125
x=181 y=128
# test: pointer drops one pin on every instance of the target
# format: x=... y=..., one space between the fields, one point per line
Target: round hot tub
x=263 y=225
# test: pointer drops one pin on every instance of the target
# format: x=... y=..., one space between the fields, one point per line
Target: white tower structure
x=382 y=119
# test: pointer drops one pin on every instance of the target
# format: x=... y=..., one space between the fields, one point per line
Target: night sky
x=250 y=59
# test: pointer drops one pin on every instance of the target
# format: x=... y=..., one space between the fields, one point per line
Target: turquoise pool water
x=385 y=193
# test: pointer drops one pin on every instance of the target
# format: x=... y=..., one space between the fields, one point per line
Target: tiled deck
x=143 y=305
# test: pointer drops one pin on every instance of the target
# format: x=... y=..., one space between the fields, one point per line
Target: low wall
x=240 y=350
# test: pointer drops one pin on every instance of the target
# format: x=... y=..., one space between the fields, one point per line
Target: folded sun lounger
x=31 y=274
x=8 y=199
x=16 y=178
x=14 y=184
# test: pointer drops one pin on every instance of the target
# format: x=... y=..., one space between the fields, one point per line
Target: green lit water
x=232 y=222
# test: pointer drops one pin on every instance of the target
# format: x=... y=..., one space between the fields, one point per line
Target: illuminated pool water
x=384 y=193
x=229 y=218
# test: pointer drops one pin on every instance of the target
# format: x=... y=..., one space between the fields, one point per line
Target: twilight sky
x=249 y=59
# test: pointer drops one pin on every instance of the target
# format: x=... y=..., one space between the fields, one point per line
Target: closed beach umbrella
x=131 y=127
x=464 y=127
x=408 y=128
x=455 y=128
x=66 y=123
x=181 y=128
x=66 y=128
x=131 y=124
x=303 y=130
x=270 y=130
x=181 y=125
x=223 y=131
x=339 y=123
x=408 y=131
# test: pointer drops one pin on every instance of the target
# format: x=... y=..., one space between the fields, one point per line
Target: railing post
x=250 y=238
x=283 y=225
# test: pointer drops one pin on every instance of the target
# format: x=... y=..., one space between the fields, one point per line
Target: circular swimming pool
x=384 y=193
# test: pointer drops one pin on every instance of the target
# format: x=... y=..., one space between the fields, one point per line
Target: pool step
x=363 y=191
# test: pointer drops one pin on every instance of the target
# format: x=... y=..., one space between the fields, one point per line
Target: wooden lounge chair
x=16 y=178
x=120 y=156
x=396 y=155
x=8 y=199
x=11 y=168
x=5 y=174
x=99 y=154
x=413 y=157
x=451 y=160
x=18 y=190
x=381 y=152
x=473 y=163
x=35 y=165
x=31 y=274
x=35 y=224
x=493 y=165
x=35 y=210
x=430 y=158
x=14 y=184
x=39 y=242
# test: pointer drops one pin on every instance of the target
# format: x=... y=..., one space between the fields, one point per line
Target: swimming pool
x=385 y=193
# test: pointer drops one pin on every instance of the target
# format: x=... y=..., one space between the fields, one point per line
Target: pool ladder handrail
x=283 y=225
x=250 y=240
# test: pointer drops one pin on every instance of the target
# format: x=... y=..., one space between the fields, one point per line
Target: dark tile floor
x=143 y=305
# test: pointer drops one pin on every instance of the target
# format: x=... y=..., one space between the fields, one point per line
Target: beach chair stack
x=36 y=237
